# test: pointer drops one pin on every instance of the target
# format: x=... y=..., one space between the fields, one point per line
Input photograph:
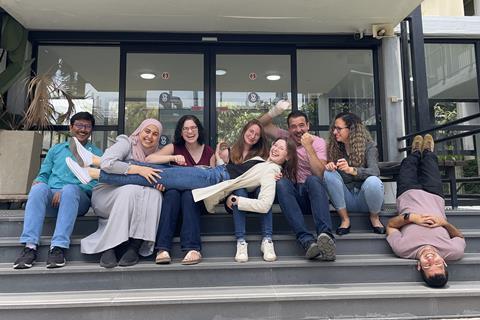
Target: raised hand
x=279 y=108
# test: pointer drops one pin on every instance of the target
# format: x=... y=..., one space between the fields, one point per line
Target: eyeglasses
x=338 y=129
x=82 y=126
x=428 y=265
x=186 y=129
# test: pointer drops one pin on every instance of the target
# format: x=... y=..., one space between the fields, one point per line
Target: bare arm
x=266 y=119
x=165 y=155
x=396 y=223
x=316 y=165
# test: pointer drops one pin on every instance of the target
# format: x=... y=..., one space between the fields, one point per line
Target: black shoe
x=56 y=258
x=26 y=259
x=342 y=231
x=129 y=258
x=379 y=230
x=108 y=259
x=312 y=250
x=326 y=244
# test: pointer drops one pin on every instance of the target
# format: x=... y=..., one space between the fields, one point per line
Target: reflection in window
x=174 y=88
x=453 y=94
x=90 y=75
x=247 y=87
x=332 y=81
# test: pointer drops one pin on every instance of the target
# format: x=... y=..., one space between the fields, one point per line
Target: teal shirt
x=54 y=170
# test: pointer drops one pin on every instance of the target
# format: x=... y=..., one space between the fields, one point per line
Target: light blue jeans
x=368 y=199
x=172 y=177
x=239 y=217
x=73 y=202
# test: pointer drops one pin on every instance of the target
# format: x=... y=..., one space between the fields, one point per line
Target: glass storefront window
x=175 y=89
x=90 y=74
x=453 y=94
x=247 y=86
x=332 y=81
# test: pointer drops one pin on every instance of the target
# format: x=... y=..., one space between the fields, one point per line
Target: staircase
x=366 y=280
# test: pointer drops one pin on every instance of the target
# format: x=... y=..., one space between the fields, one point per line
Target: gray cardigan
x=370 y=168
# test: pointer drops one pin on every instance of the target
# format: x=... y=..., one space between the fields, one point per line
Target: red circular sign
x=252 y=76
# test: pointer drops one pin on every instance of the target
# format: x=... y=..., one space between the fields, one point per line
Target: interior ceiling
x=225 y=16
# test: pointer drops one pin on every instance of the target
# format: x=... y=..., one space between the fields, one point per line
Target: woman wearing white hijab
x=130 y=213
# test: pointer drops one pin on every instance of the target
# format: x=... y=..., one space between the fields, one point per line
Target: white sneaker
x=242 y=252
x=268 y=250
x=79 y=172
x=82 y=155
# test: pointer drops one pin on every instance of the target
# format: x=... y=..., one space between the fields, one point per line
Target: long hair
x=178 y=139
x=289 y=168
x=258 y=149
x=358 y=138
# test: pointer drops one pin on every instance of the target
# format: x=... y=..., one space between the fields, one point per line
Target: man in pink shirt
x=307 y=194
x=421 y=230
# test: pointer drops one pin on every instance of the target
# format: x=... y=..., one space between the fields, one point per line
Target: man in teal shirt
x=56 y=192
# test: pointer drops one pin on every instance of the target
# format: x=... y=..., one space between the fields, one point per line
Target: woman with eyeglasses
x=351 y=175
x=189 y=149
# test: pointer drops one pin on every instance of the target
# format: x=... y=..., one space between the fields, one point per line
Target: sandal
x=192 y=257
x=163 y=257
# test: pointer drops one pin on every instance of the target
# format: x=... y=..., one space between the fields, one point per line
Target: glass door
x=247 y=85
x=164 y=86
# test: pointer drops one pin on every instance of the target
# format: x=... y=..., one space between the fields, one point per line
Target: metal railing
x=451 y=175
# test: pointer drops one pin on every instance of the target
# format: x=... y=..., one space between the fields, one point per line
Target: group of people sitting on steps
x=140 y=192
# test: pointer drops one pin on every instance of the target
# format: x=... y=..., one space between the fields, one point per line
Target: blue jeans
x=172 y=177
x=368 y=199
x=305 y=198
x=239 y=217
x=73 y=202
x=174 y=203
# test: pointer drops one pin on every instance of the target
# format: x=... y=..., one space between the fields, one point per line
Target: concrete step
x=225 y=246
x=337 y=301
x=11 y=222
x=81 y=276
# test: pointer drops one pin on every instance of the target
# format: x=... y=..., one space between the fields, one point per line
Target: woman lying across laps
x=229 y=177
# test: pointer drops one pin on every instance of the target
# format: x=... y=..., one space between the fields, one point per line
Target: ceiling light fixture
x=273 y=77
x=220 y=72
x=148 y=76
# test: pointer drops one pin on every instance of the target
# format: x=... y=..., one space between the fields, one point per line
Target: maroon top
x=204 y=160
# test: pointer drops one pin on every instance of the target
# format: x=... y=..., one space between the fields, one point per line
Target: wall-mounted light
x=220 y=72
x=273 y=77
x=148 y=76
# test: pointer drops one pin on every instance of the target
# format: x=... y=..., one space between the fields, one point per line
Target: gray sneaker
x=312 y=250
x=326 y=246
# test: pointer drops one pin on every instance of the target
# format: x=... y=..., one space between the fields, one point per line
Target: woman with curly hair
x=351 y=175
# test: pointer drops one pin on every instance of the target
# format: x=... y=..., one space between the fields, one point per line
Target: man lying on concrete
x=421 y=230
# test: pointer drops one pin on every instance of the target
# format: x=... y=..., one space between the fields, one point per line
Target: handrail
x=456 y=136
x=445 y=125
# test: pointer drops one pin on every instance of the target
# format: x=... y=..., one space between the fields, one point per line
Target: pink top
x=303 y=170
x=411 y=237
x=204 y=159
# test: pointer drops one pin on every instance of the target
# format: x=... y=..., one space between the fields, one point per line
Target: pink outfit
x=139 y=153
x=303 y=168
x=412 y=237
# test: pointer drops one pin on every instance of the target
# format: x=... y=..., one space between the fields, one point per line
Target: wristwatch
x=406 y=216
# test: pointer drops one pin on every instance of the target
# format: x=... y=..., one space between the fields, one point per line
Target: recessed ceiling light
x=220 y=72
x=273 y=77
x=148 y=76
